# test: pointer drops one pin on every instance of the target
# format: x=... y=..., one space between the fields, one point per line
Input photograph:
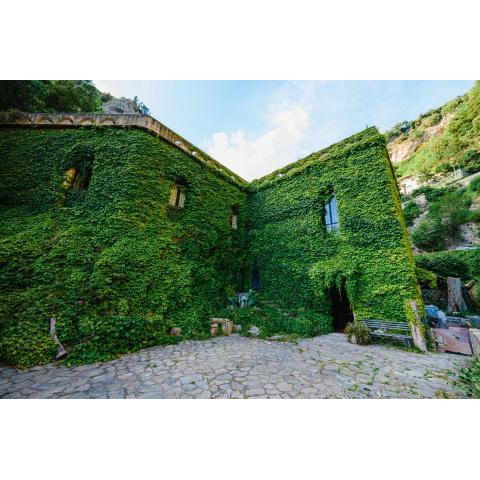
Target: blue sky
x=254 y=127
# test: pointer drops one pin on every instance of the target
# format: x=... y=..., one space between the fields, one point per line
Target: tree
x=141 y=106
x=49 y=96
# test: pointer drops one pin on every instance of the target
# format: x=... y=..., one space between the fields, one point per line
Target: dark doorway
x=255 y=277
x=341 y=310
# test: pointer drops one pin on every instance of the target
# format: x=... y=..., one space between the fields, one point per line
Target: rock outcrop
x=120 y=105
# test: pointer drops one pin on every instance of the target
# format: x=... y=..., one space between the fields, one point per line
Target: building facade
x=115 y=223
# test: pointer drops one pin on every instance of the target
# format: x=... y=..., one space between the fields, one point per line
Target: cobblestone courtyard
x=238 y=367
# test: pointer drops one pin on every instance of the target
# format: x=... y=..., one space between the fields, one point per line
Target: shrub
x=464 y=264
x=411 y=212
x=433 y=119
x=431 y=193
x=426 y=278
x=26 y=343
x=474 y=186
x=471 y=161
x=427 y=235
x=274 y=321
x=358 y=333
x=470 y=379
x=416 y=134
x=107 y=336
x=443 y=220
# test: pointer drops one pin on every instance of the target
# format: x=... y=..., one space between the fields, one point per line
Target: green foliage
x=474 y=186
x=433 y=119
x=471 y=161
x=27 y=342
x=49 y=96
x=456 y=146
x=273 y=321
x=118 y=266
x=432 y=193
x=104 y=337
x=358 y=331
x=464 y=264
x=470 y=379
x=142 y=108
x=397 y=130
x=298 y=260
x=426 y=278
x=411 y=212
x=442 y=223
x=114 y=263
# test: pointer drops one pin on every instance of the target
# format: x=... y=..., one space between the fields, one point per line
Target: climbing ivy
x=369 y=254
x=114 y=263
x=117 y=266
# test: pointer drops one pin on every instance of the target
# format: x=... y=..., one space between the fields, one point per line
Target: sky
x=255 y=127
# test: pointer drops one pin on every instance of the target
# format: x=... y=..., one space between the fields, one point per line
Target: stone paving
x=238 y=367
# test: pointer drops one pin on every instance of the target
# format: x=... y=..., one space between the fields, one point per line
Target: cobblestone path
x=238 y=367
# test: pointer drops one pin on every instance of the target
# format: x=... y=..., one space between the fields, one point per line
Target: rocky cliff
x=439 y=142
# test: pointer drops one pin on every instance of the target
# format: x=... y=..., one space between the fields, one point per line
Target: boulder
x=253 y=330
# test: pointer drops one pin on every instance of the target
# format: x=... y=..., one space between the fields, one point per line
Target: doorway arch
x=341 y=309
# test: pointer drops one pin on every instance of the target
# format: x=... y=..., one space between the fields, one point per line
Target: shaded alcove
x=341 y=309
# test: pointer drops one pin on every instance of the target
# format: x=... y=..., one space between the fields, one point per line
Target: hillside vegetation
x=441 y=149
x=62 y=96
x=433 y=152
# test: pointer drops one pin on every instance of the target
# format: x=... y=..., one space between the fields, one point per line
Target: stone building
x=108 y=216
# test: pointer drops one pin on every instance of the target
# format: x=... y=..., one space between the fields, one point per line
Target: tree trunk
x=456 y=303
x=53 y=333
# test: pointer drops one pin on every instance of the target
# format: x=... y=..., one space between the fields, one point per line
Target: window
x=76 y=179
x=177 y=196
x=331 y=215
x=234 y=218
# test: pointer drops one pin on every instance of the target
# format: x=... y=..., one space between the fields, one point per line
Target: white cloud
x=252 y=157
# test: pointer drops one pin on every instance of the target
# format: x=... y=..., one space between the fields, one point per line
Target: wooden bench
x=383 y=330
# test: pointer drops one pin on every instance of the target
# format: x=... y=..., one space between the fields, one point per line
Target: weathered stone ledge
x=144 y=122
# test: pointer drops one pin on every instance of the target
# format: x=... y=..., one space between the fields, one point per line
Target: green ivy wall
x=369 y=254
x=117 y=266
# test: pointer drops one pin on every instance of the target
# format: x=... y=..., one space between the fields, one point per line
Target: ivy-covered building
x=121 y=229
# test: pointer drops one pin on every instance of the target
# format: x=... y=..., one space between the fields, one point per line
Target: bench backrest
x=375 y=324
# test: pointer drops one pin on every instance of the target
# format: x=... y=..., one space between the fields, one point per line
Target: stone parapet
x=144 y=122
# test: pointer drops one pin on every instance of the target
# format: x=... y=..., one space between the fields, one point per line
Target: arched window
x=331 y=215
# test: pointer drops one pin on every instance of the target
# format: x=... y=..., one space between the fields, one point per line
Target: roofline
x=144 y=122
x=297 y=166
